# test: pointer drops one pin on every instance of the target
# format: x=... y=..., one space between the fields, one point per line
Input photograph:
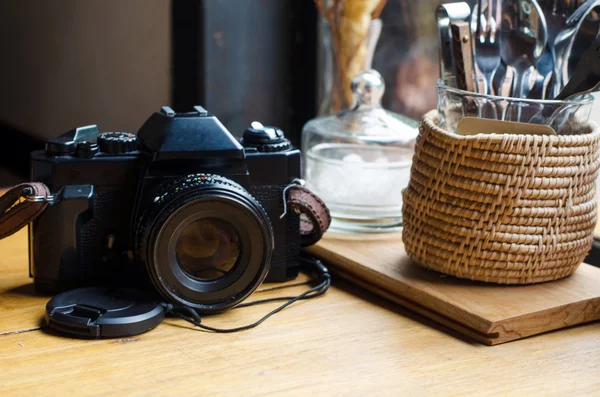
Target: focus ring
x=167 y=203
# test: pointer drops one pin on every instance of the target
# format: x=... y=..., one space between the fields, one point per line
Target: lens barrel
x=206 y=243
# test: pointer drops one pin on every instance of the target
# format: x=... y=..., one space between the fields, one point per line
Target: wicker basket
x=510 y=209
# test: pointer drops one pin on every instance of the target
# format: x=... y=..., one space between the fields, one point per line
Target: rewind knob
x=117 y=142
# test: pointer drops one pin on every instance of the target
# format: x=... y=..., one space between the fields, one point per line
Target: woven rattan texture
x=510 y=209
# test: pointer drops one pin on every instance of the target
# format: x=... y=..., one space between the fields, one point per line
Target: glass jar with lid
x=358 y=161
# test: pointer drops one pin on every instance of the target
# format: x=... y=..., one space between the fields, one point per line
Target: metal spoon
x=586 y=76
x=523 y=37
x=586 y=79
x=587 y=27
x=557 y=13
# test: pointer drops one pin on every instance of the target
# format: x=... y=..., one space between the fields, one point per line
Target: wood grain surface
x=490 y=313
x=347 y=343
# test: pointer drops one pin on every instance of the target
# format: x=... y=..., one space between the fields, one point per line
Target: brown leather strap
x=316 y=219
x=14 y=213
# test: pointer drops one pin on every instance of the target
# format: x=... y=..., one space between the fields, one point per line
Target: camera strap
x=21 y=205
x=25 y=202
x=310 y=265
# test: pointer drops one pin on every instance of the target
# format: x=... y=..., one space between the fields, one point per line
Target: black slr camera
x=183 y=207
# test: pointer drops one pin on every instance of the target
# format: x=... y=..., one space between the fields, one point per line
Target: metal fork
x=486 y=42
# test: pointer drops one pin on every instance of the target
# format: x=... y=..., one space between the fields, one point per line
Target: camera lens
x=208 y=248
x=206 y=243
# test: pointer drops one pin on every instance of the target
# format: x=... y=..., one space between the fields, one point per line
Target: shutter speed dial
x=265 y=138
x=117 y=142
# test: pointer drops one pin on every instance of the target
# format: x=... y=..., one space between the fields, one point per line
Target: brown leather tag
x=316 y=218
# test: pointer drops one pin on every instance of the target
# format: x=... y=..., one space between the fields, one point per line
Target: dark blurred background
x=67 y=63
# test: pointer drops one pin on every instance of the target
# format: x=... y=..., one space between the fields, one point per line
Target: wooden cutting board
x=489 y=313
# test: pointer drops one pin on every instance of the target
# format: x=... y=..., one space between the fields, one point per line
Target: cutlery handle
x=523 y=83
x=518 y=85
x=488 y=83
x=445 y=15
x=556 y=81
x=505 y=88
x=463 y=56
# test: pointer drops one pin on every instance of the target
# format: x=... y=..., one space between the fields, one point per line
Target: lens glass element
x=208 y=248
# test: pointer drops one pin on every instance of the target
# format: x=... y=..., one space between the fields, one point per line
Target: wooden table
x=346 y=343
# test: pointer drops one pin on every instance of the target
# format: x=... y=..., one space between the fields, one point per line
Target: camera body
x=124 y=203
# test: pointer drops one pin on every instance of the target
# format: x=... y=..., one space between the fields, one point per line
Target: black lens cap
x=98 y=312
